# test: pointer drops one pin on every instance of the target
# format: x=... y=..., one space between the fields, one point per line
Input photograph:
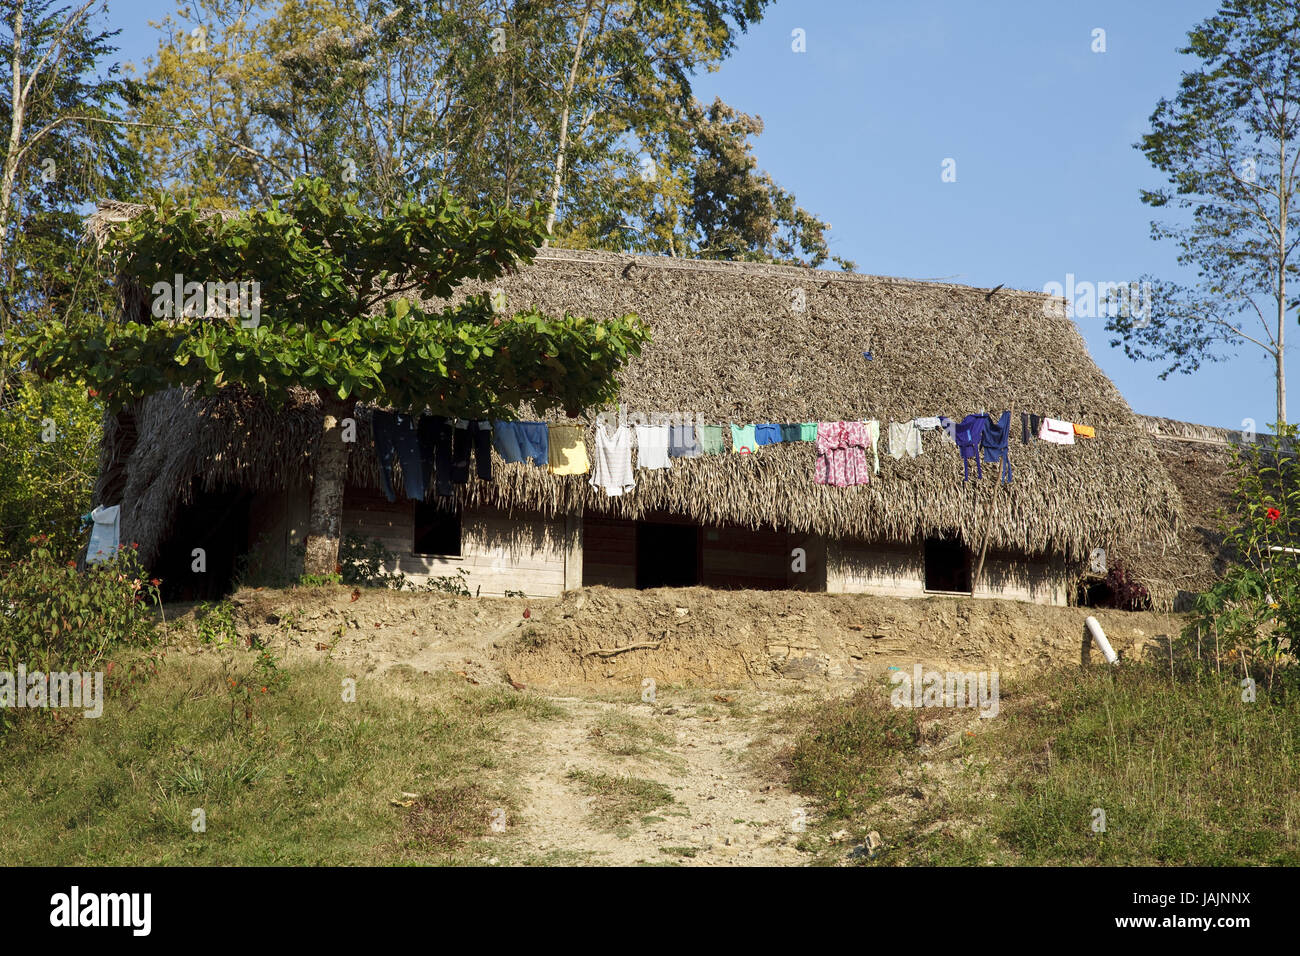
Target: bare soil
x=673 y=691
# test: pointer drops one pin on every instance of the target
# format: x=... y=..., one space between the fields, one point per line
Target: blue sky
x=1041 y=130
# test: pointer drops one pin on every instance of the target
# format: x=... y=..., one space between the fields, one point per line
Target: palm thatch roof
x=729 y=345
x=1197 y=459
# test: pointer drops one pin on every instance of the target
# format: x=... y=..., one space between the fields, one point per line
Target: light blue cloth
x=519 y=441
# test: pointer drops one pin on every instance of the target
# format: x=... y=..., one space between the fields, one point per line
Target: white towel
x=652 y=446
x=103 y=534
x=612 y=465
x=927 y=423
x=904 y=438
x=1056 y=431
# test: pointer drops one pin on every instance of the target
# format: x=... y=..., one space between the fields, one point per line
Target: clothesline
x=435 y=451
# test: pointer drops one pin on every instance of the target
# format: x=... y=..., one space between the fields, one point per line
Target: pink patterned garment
x=841 y=455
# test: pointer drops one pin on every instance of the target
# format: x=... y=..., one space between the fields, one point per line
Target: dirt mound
x=677 y=635
x=702 y=636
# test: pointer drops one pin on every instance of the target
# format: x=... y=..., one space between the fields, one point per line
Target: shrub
x=54 y=617
x=1254 y=609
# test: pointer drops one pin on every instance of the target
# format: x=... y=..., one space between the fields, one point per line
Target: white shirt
x=612 y=465
x=652 y=446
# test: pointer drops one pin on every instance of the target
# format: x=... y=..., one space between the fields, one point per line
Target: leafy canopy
x=340 y=310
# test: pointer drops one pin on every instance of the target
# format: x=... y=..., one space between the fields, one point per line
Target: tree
x=63 y=148
x=512 y=103
x=1228 y=145
x=341 y=315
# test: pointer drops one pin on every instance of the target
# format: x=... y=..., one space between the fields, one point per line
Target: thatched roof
x=728 y=347
x=1196 y=458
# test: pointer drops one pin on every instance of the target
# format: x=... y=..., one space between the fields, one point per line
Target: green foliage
x=329 y=320
x=319 y=580
x=45 y=486
x=396 y=107
x=365 y=563
x=845 y=755
x=54 y=617
x=69 y=150
x=216 y=624
x=1253 y=611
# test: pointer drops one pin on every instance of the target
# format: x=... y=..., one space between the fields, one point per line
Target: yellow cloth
x=566 y=450
x=1087 y=431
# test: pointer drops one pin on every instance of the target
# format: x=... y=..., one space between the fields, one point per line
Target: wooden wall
x=898 y=570
x=545 y=556
x=499 y=551
x=861 y=567
x=608 y=552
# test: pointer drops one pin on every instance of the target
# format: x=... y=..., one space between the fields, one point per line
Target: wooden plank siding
x=898 y=570
x=542 y=557
x=499 y=551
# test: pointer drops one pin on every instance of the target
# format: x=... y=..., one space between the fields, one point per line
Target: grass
x=622 y=735
x=294 y=776
x=620 y=799
x=1184 y=771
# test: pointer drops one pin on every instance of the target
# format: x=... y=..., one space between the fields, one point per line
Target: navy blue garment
x=969 y=433
x=445 y=448
x=395 y=437
x=994 y=442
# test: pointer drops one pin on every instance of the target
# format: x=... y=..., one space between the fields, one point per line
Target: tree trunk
x=561 y=154
x=329 y=476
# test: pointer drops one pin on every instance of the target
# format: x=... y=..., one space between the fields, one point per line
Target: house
x=732 y=342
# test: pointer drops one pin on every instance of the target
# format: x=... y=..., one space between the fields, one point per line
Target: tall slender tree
x=1228 y=145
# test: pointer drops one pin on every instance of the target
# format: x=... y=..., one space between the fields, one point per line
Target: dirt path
x=721 y=812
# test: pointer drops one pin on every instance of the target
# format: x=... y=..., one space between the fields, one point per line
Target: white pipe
x=1099 y=636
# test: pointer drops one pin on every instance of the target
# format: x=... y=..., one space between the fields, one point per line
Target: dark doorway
x=217 y=522
x=947 y=565
x=667 y=555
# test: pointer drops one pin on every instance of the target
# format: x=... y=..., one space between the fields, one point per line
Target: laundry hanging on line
x=105 y=534
x=995 y=442
x=1056 y=431
x=446 y=445
x=841 y=454
x=566 y=450
x=904 y=439
x=743 y=441
x=521 y=441
x=612 y=466
x=713 y=440
x=683 y=442
x=652 y=447
x=397 y=442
